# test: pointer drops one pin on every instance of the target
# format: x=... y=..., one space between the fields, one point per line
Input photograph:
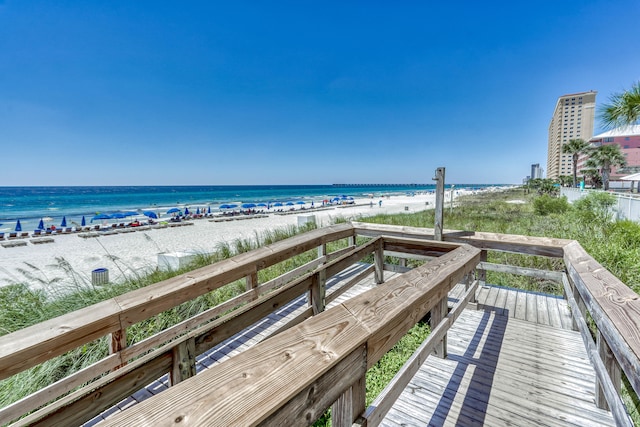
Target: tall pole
x=439 y=204
x=451 y=203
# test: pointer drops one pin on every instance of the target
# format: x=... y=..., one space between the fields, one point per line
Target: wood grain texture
x=249 y=388
x=33 y=345
x=614 y=307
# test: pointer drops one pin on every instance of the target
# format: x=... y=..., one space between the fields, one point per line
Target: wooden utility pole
x=439 y=203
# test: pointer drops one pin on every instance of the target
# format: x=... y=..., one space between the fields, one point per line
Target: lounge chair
x=13 y=235
x=37 y=232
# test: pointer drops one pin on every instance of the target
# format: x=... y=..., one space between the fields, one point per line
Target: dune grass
x=615 y=245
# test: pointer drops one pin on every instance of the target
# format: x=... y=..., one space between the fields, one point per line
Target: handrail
x=259 y=384
x=614 y=308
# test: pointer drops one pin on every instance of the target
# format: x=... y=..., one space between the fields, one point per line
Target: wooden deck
x=513 y=363
x=512 y=360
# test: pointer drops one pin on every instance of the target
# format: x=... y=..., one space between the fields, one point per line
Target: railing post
x=468 y=280
x=439 y=211
x=252 y=283
x=350 y=405
x=318 y=291
x=117 y=343
x=378 y=260
x=581 y=306
x=481 y=274
x=322 y=250
x=184 y=361
x=438 y=313
x=612 y=367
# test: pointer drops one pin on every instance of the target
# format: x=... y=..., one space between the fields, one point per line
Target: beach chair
x=1 y=235
x=37 y=232
x=13 y=235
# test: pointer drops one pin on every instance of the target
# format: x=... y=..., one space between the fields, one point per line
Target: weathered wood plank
x=422 y=287
x=271 y=374
x=542 y=246
x=613 y=306
x=82 y=405
x=35 y=344
x=555 y=276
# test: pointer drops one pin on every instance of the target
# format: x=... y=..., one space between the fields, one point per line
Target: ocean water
x=30 y=204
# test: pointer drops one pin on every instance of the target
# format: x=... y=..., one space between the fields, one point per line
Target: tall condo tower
x=572 y=119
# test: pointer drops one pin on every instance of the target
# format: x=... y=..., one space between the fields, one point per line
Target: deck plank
x=503 y=371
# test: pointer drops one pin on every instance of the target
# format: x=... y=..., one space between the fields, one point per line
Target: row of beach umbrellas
x=151 y=214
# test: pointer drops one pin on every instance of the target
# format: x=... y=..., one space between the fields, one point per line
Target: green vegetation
x=575 y=147
x=616 y=245
x=623 y=108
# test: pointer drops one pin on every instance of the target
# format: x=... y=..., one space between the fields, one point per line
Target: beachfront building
x=628 y=138
x=536 y=171
x=572 y=119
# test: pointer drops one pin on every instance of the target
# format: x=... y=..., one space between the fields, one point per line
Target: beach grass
x=615 y=245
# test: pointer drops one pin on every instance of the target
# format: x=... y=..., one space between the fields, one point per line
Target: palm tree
x=624 y=108
x=603 y=158
x=575 y=147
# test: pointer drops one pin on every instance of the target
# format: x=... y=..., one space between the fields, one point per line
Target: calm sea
x=30 y=204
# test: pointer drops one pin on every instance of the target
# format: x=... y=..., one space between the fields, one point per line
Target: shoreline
x=70 y=259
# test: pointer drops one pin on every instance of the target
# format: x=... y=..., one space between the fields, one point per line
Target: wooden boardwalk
x=512 y=361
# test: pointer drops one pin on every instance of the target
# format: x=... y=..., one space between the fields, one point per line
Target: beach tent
x=150 y=214
x=41 y=225
x=84 y=221
x=101 y=217
x=633 y=177
x=63 y=224
x=18 y=226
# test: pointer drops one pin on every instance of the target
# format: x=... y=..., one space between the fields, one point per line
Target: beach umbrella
x=209 y=209
x=84 y=221
x=300 y=202
x=63 y=224
x=173 y=210
x=41 y=225
x=289 y=203
x=198 y=211
x=262 y=205
x=118 y=215
x=150 y=214
x=101 y=217
x=18 y=226
x=248 y=205
x=130 y=213
x=277 y=204
x=186 y=211
x=228 y=206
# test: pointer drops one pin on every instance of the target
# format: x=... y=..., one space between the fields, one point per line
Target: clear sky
x=297 y=92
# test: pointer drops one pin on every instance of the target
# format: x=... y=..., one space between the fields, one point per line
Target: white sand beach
x=71 y=259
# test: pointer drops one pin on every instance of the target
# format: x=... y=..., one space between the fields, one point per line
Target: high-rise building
x=572 y=119
x=536 y=171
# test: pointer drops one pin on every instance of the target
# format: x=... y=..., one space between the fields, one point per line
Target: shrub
x=595 y=206
x=545 y=205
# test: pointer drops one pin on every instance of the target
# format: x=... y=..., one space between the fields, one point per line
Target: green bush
x=546 y=204
x=595 y=206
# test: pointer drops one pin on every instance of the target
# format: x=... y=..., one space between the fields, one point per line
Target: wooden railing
x=320 y=358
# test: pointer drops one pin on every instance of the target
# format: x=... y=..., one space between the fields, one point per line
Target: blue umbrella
x=248 y=205
x=277 y=204
x=130 y=213
x=186 y=211
x=84 y=221
x=300 y=202
x=173 y=210
x=289 y=203
x=209 y=209
x=41 y=225
x=198 y=211
x=262 y=205
x=118 y=215
x=101 y=216
x=228 y=206
x=64 y=222
x=18 y=226
x=150 y=214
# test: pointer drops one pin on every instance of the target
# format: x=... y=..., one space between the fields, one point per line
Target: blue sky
x=297 y=92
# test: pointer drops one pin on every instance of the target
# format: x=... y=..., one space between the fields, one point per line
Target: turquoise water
x=30 y=204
